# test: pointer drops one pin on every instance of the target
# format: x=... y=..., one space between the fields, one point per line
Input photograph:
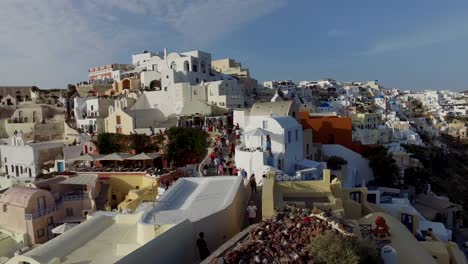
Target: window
x=155 y=67
x=6 y=169
x=12 y=168
x=21 y=170
x=355 y=196
x=5 y=159
x=195 y=92
x=297 y=135
x=174 y=66
x=118 y=120
x=264 y=124
x=307 y=148
x=41 y=203
x=17 y=171
x=92 y=107
x=5 y=208
x=197 y=80
x=137 y=187
x=30 y=174
x=194 y=66
x=50 y=220
x=40 y=233
x=289 y=137
x=165 y=89
x=69 y=211
x=203 y=67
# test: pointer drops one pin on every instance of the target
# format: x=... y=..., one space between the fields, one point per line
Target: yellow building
x=366 y=120
x=128 y=191
x=125 y=84
x=457 y=129
x=118 y=121
x=230 y=67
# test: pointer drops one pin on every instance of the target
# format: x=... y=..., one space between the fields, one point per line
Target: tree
x=185 y=144
x=108 y=143
x=335 y=162
x=418 y=178
x=386 y=172
x=332 y=248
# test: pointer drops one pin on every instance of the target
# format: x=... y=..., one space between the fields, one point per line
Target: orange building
x=331 y=130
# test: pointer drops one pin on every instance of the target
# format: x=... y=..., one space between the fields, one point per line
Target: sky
x=404 y=44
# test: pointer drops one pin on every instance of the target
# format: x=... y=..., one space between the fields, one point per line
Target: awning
x=309 y=163
x=115 y=157
x=258 y=132
x=63 y=228
x=145 y=156
x=86 y=157
x=83 y=179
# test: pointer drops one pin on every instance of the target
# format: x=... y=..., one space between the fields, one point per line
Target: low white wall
x=171 y=246
x=357 y=164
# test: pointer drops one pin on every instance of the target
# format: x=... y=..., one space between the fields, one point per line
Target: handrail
x=43 y=212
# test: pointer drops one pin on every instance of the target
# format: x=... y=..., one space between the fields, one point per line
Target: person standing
x=253 y=183
x=221 y=169
x=212 y=157
x=232 y=149
x=252 y=212
x=244 y=174
x=202 y=246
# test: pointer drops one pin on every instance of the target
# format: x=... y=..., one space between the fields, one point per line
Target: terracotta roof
x=18 y=196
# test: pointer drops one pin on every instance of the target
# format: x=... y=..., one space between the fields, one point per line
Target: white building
x=90 y=111
x=286 y=144
x=23 y=160
x=274 y=85
x=184 y=83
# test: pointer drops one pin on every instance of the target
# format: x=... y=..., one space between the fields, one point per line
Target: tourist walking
x=253 y=183
x=202 y=247
x=251 y=212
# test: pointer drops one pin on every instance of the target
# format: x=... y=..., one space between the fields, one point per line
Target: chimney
x=165 y=54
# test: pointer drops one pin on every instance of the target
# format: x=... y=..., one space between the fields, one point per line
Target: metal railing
x=43 y=212
x=75 y=197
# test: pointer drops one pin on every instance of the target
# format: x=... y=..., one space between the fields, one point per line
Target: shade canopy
x=86 y=157
x=115 y=157
x=145 y=156
x=257 y=132
x=63 y=228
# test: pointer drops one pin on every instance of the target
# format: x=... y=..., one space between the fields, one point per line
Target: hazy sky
x=412 y=44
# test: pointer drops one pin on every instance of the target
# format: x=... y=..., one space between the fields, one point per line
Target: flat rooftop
x=193 y=199
x=103 y=248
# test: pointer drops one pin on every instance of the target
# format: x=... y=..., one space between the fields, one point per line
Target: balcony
x=43 y=212
x=74 y=197
x=18 y=120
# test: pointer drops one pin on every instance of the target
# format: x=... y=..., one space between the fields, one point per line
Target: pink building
x=35 y=210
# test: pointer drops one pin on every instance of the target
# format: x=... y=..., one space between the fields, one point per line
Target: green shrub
x=331 y=248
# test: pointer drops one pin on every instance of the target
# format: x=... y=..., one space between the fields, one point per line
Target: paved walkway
x=256 y=197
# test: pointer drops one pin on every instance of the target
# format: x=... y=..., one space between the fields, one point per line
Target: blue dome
x=324 y=105
x=380 y=96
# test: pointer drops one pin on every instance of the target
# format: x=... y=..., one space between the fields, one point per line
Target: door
x=407 y=220
x=60 y=166
x=50 y=235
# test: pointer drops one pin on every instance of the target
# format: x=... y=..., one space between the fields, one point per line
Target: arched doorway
x=155 y=85
x=126 y=84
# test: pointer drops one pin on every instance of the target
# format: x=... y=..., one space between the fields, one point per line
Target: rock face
x=282 y=240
